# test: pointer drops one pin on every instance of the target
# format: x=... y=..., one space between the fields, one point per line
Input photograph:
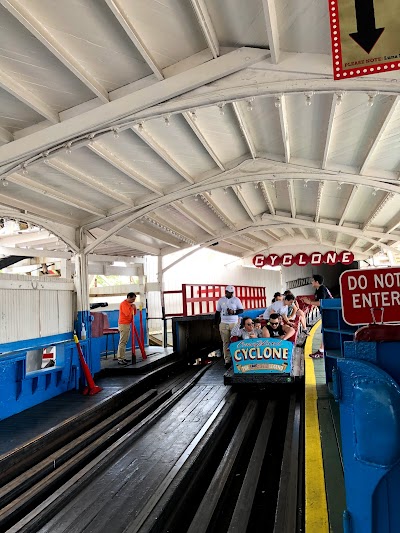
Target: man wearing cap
x=228 y=307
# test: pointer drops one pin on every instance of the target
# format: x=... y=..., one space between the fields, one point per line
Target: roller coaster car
x=259 y=361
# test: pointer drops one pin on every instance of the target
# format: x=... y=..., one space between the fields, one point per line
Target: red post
x=141 y=345
x=184 y=300
x=92 y=388
x=141 y=325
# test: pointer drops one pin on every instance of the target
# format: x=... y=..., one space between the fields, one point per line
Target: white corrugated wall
x=31 y=308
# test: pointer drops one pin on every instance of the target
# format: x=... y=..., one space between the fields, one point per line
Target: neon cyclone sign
x=315 y=258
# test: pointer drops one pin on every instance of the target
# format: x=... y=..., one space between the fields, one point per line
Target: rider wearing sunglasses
x=247 y=331
x=276 y=329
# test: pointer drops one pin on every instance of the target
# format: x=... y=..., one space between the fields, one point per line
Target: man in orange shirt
x=127 y=310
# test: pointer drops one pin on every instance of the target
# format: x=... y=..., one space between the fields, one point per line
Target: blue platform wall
x=20 y=390
x=366 y=379
x=98 y=345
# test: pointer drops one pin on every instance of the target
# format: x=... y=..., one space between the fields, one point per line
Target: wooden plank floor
x=116 y=496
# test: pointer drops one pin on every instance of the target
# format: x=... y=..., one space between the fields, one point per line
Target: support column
x=82 y=288
x=161 y=289
x=66 y=269
x=82 y=291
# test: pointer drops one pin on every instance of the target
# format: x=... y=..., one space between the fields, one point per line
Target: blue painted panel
x=253 y=313
x=376 y=408
x=370 y=422
x=98 y=344
x=335 y=334
x=20 y=390
x=31 y=344
x=385 y=502
x=383 y=354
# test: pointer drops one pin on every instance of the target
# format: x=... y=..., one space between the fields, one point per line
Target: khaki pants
x=225 y=332
x=124 y=331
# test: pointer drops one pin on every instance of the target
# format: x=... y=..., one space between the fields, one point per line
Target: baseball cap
x=230 y=288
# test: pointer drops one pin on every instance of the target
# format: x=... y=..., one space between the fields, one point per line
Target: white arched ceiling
x=145 y=128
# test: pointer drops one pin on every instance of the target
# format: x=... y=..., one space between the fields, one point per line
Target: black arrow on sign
x=367 y=34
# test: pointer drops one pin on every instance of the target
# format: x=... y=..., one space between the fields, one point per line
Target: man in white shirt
x=279 y=307
x=228 y=307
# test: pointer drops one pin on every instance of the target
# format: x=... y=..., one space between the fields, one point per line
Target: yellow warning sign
x=365 y=36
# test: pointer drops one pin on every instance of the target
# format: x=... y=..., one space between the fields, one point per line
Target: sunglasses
x=274 y=323
x=249 y=324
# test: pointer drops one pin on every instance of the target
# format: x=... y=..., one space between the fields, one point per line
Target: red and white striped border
x=339 y=73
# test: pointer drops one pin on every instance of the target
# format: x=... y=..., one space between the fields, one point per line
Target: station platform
x=154 y=354
x=115 y=380
x=325 y=492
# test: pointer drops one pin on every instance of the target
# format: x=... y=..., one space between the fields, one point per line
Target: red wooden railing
x=202 y=299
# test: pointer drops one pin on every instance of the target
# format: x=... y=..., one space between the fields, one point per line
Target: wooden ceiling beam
x=26 y=17
x=14 y=87
x=271 y=22
x=207 y=27
x=129 y=28
x=49 y=192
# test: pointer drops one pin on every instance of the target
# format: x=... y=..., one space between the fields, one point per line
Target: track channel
x=197 y=458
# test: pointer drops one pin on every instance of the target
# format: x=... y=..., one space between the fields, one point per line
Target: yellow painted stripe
x=316 y=507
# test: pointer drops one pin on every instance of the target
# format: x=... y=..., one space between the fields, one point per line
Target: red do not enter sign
x=370 y=293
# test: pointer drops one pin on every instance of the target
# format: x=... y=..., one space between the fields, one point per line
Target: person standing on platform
x=127 y=310
x=321 y=293
x=228 y=307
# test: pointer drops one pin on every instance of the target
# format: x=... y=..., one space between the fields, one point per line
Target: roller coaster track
x=231 y=463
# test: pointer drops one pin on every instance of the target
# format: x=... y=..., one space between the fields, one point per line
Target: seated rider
x=278 y=297
x=276 y=330
x=248 y=331
x=280 y=307
x=257 y=323
x=294 y=310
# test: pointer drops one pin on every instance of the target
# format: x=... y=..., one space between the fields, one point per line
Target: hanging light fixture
x=250 y=104
x=308 y=98
x=339 y=98
x=371 y=98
